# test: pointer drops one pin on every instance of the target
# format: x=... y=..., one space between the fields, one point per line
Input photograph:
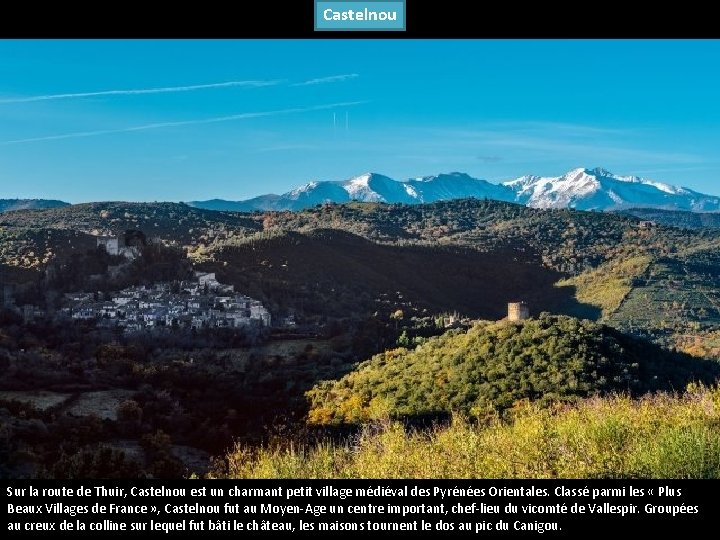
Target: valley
x=376 y=312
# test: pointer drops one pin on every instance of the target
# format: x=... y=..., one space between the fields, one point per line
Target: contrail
x=158 y=125
x=331 y=79
x=160 y=90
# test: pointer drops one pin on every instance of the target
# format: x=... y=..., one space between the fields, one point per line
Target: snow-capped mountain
x=456 y=186
x=373 y=187
x=584 y=189
x=370 y=187
x=599 y=189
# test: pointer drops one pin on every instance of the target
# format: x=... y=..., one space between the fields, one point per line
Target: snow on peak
x=411 y=191
x=305 y=188
x=359 y=188
x=599 y=171
x=667 y=188
x=361 y=180
x=580 y=188
x=521 y=180
x=599 y=188
x=554 y=192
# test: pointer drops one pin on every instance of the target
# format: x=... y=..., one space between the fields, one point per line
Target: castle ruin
x=128 y=245
x=518 y=311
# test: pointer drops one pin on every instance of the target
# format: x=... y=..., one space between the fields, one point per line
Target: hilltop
x=493 y=365
x=8 y=205
x=170 y=221
x=678 y=218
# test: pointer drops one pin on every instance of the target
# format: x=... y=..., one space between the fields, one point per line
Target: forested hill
x=638 y=275
x=7 y=205
x=169 y=221
x=677 y=218
x=344 y=283
x=566 y=240
x=31 y=239
x=333 y=273
x=494 y=365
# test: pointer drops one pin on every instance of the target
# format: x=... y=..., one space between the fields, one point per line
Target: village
x=198 y=304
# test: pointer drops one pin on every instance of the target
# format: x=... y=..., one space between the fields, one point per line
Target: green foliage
x=170 y=221
x=659 y=436
x=463 y=255
x=492 y=366
x=607 y=285
x=30 y=246
x=677 y=218
x=676 y=300
x=379 y=276
x=9 y=205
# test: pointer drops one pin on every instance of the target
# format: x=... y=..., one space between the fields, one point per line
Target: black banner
x=560 y=508
x=296 y=20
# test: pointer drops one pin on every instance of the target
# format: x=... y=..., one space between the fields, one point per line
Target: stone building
x=518 y=311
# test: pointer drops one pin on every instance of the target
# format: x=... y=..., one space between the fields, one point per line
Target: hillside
x=31 y=239
x=601 y=262
x=660 y=436
x=174 y=222
x=342 y=283
x=566 y=240
x=8 y=205
x=569 y=241
x=607 y=259
x=331 y=273
x=493 y=365
x=25 y=250
x=675 y=295
x=678 y=218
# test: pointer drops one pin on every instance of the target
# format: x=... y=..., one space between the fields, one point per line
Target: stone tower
x=518 y=311
x=110 y=243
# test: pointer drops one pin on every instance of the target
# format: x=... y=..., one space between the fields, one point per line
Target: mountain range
x=582 y=189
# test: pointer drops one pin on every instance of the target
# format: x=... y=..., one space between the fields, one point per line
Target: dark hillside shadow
x=335 y=273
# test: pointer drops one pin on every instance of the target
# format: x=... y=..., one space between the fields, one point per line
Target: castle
x=518 y=311
x=128 y=246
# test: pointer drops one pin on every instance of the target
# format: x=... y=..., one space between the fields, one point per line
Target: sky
x=193 y=120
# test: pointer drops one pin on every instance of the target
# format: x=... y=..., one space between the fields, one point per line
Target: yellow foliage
x=659 y=436
x=320 y=415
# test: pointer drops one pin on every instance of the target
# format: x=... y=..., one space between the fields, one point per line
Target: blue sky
x=188 y=120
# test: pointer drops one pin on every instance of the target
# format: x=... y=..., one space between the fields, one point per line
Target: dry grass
x=661 y=436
